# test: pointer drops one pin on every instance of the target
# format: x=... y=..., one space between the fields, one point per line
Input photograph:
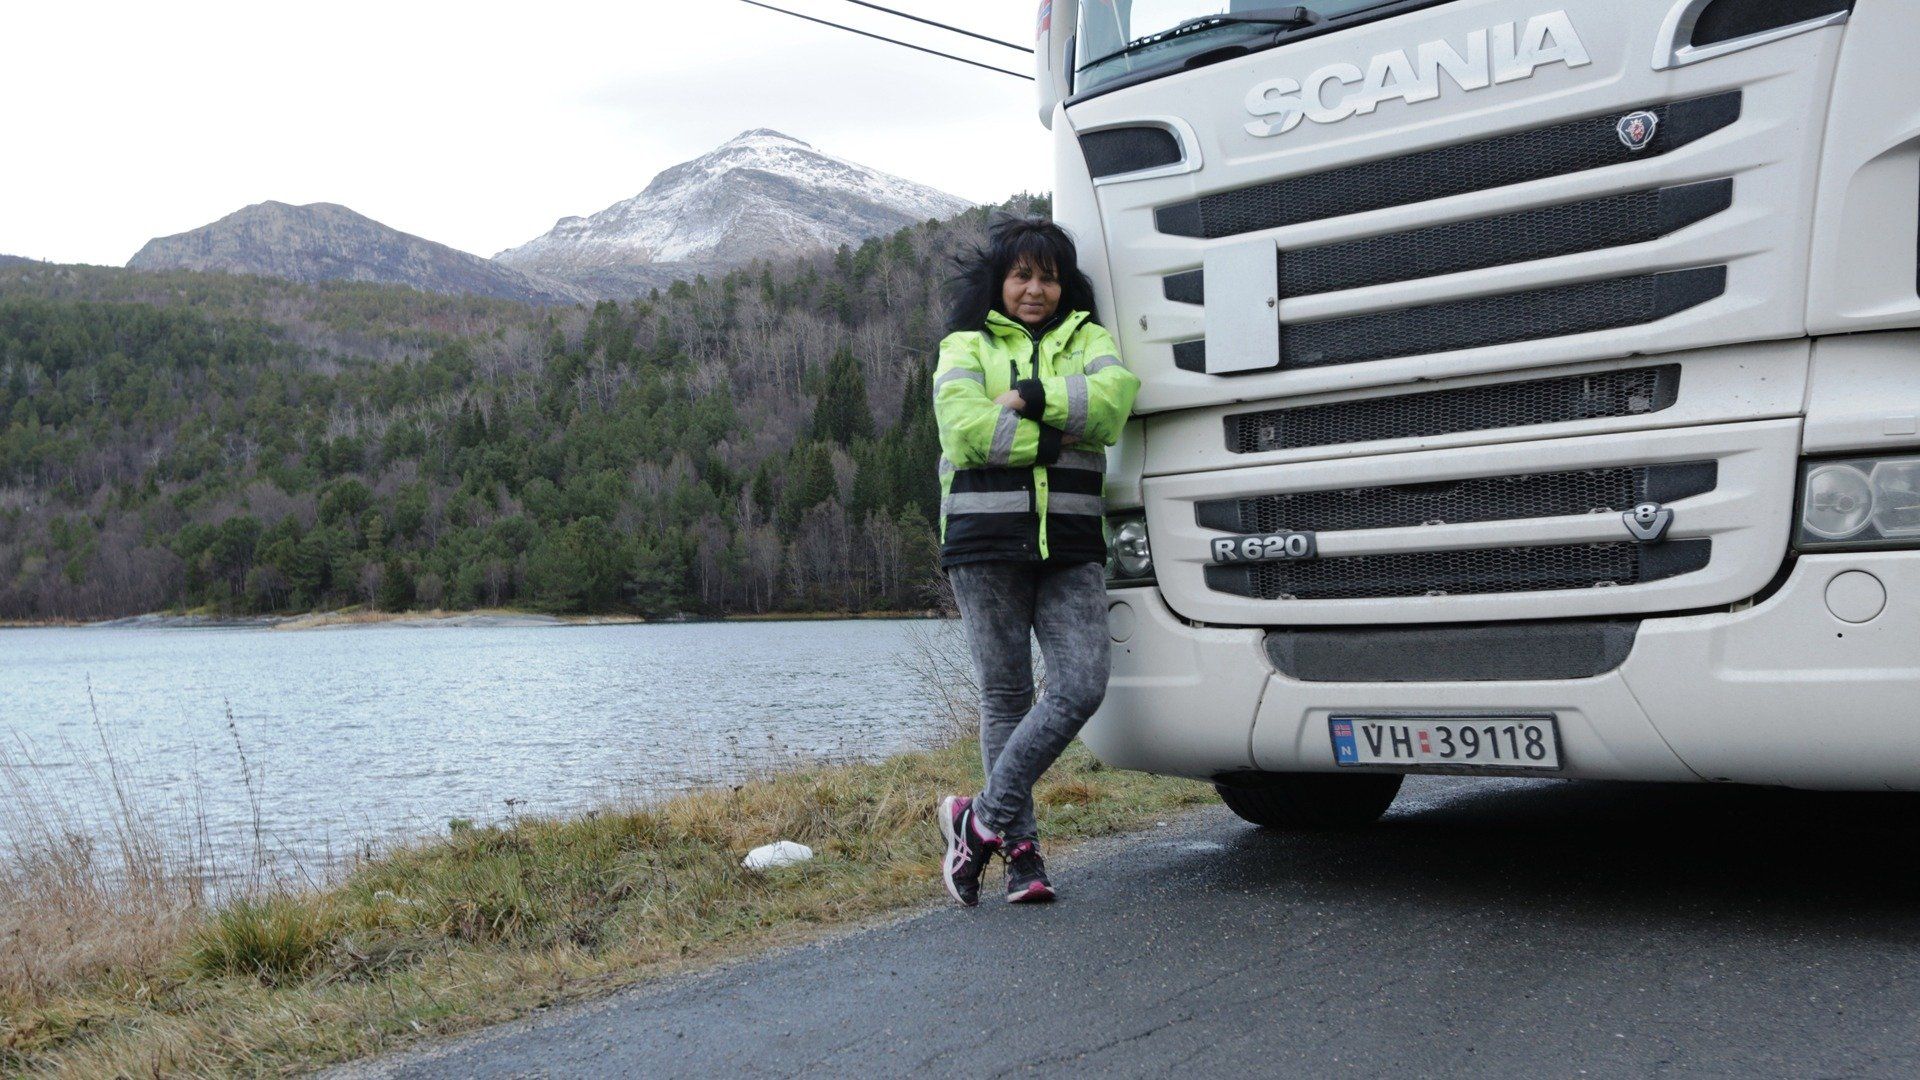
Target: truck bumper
x=1818 y=686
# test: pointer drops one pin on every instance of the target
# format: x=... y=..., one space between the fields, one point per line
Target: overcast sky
x=473 y=124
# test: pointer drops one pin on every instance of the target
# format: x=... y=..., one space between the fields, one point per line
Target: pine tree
x=842 y=412
x=810 y=482
x=396 y=585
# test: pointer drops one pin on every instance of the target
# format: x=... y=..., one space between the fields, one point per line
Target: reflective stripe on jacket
x=1010 y=487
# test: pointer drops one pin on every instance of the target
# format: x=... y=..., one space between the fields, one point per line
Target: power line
x=941 y=25
x=890 y=41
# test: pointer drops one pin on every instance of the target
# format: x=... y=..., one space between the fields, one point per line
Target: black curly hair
x=975 y=291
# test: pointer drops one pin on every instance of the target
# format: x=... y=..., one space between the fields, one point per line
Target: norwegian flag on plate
x=1345 y=751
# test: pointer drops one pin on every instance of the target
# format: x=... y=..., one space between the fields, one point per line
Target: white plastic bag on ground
x=784 y=853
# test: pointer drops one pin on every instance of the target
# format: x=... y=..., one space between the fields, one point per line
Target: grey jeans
x=1003 y=605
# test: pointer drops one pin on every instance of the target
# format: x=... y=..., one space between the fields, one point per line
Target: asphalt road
x=1489 y=928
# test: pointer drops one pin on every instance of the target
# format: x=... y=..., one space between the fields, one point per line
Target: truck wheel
x=1310 y=800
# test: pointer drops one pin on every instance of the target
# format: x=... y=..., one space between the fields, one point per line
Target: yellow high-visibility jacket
x=1012 y=489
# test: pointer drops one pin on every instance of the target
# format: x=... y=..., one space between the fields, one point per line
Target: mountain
x=14 y=260
x=761 y=195
x=327 y=242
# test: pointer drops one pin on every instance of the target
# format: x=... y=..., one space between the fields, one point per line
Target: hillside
x=755 y=441
x=326 y=242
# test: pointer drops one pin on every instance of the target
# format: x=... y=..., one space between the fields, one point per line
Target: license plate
x=1269 y=547
x=1481 y=742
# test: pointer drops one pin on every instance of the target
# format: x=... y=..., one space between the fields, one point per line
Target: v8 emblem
x=1648 y=522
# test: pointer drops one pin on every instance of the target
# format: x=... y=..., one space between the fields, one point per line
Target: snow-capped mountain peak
x=761 y=194
x=766 y=135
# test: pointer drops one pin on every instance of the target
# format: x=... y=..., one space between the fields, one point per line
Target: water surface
x=385 y=731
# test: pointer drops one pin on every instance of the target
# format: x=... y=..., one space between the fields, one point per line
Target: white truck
x=1530 y=387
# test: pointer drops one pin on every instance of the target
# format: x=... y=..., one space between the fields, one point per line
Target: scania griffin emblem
x=1648 y=522
x=1638 y=129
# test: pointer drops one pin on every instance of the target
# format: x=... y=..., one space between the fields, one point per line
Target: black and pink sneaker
x=1027 y=875
x=970 y=847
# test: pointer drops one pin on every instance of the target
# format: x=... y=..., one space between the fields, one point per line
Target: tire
x=1310 y=800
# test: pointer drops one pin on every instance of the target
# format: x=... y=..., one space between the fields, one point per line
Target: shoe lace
x=1025 y=859
x=979 y=852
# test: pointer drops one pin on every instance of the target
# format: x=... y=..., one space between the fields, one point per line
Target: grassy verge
x=490 y=923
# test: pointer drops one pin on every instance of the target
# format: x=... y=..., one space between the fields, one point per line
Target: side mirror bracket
x=1053 y=54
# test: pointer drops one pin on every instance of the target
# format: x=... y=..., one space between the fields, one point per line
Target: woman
x=1028 y=393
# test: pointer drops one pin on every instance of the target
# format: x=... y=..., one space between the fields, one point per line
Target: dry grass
x=80 y=898
x=938 y=660
x=315 y=620
x=483 y=925
x=830 y=616
x=360 y=616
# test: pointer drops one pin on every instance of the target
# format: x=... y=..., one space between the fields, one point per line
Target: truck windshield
x=1119 y=38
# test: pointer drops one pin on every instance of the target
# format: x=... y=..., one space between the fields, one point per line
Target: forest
x=759 y=441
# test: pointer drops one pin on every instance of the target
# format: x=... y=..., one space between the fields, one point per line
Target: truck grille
x=1560 y=400
x=1459 y=247
x=1584 y=308
x=1504 y=160
x=1455 y=502
x=1459 y=573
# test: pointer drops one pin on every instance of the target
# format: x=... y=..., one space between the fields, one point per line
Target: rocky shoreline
x=336 y=620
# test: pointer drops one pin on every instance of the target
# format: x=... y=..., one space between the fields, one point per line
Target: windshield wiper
x=1296 y=17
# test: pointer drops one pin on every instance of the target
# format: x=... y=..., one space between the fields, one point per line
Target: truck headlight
x=1836 y=502
x=1896 y=498
x=1129 y=556
x=1864 y=502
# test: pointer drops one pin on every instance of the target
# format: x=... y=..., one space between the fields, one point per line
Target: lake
x=374 y=733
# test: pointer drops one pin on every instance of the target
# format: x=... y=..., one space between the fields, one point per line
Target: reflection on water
x=379 y=732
